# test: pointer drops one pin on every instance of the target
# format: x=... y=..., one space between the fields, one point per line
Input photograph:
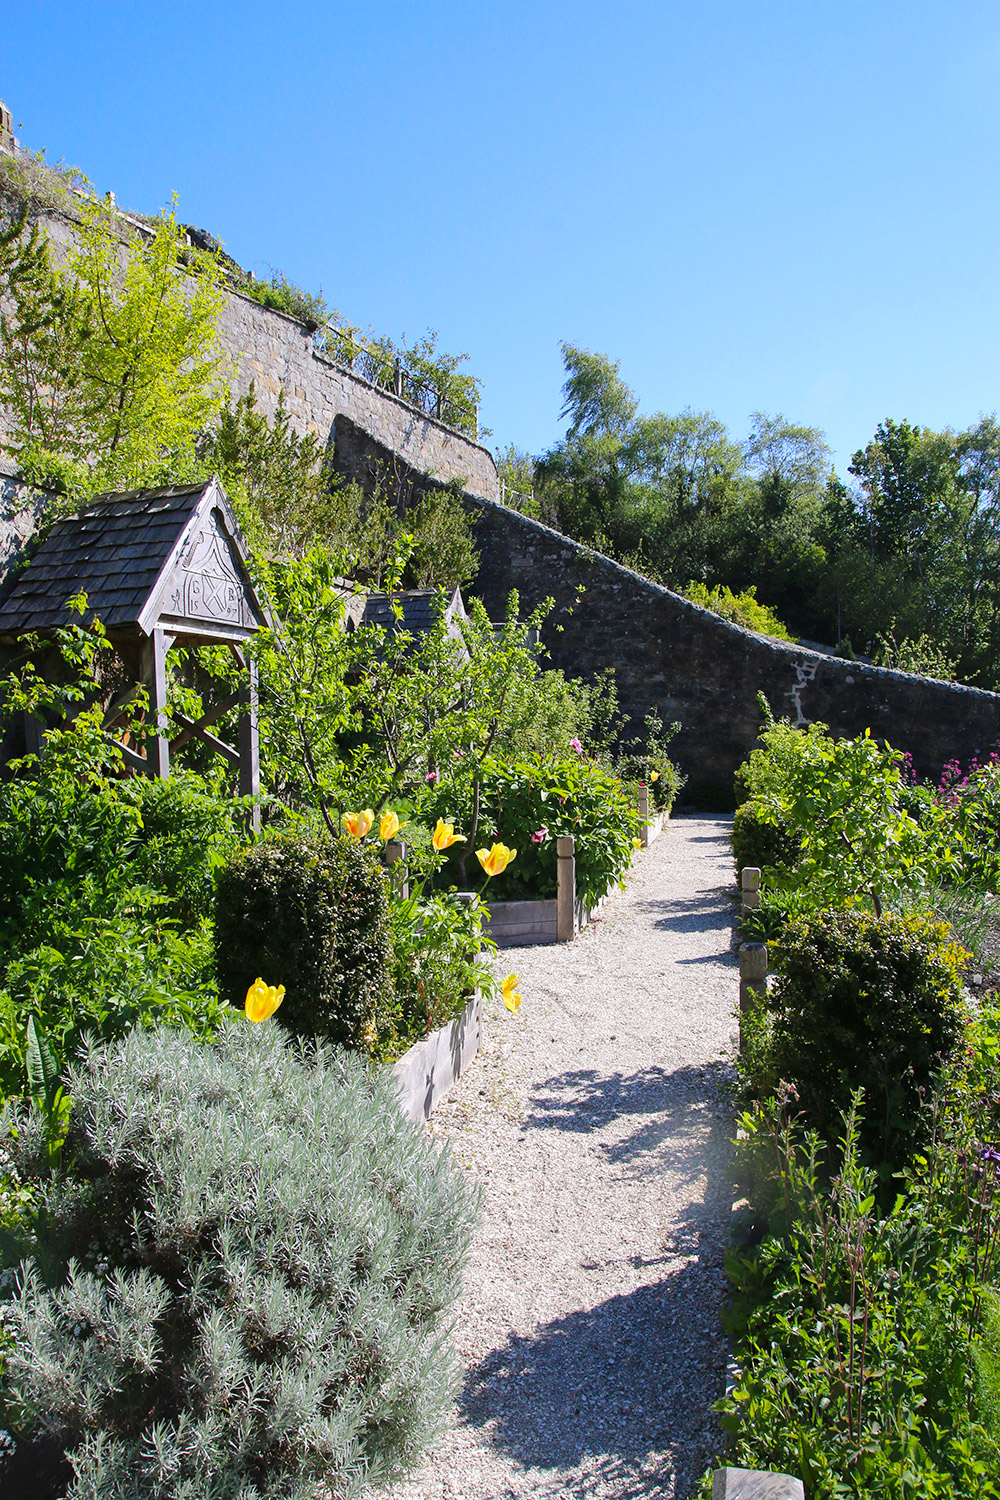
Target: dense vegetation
x=228 y=1259
x=867 y=1274
x=901 y=562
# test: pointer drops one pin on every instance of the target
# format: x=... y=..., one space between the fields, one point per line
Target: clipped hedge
x=240 y=1288
x=759 y=840
x=313 y=916
x=866 y=1002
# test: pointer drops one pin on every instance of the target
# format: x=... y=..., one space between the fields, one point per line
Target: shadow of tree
x=620 y=1392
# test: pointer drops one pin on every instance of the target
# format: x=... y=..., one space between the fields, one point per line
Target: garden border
x=428 y=1069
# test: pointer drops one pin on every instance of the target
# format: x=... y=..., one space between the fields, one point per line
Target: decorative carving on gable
x=207 y=582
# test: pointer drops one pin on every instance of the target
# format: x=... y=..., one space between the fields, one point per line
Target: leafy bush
x=239 y=1289
x=186 y=835
x=282 y=295
x=554 y=797
x=866 y=1003
x=312 y=916
x=436 y=941
x=867 y=1343
x=742 y=609
x=761 y=838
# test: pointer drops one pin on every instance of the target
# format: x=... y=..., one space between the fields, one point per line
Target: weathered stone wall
x=276 y=353
x=691 y=665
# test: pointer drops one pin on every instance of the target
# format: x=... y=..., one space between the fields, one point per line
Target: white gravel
x=596 y=1123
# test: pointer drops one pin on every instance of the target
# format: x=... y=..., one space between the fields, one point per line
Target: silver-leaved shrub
x=239 y=1287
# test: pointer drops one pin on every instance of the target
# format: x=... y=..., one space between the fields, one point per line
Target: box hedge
x=311 y=915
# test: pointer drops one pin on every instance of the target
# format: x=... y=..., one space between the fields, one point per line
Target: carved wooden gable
x=209 y=583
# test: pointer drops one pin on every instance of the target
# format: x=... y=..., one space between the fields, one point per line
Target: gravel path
x=589 y=1331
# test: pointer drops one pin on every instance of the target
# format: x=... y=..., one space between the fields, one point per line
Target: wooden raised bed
x=653 y=823
x=427 y=1070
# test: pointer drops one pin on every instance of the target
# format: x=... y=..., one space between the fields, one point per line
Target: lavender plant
x=241 y=1287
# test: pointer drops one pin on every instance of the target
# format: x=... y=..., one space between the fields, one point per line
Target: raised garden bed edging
x=428 y=1069
x=522 y=924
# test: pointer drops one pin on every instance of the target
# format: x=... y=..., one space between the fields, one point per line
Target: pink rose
x=432 y=776
x=539 y=836
x=575 y=745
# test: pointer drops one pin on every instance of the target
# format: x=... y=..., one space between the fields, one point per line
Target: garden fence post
x=249 y=741
x=566 y=889
x=395 y=851
x=753 y=977
x=644 y=815
x=751 y=888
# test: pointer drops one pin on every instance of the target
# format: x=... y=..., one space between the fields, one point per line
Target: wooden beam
x=249 y=741
x=196 y=731
x=212 y=716
x=158 y=744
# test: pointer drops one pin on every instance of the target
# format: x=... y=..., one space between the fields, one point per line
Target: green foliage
x=437 y=940
x=761 y=838
x=868 y=1003
x=866 y=1341
x=557 y=796
x=110 y=368
x=241 y=1287
x=742 y=609
x=282 y=295
x=444 y=554
x=923 y=655
x=312 y=916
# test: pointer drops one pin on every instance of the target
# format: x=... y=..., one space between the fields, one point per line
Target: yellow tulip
x=388 y=826
x=654 y=775
x=359 y=823
x=263 y=1000
x=444 y=835
x=637 y=843
x=511 y=994
x=494 y=861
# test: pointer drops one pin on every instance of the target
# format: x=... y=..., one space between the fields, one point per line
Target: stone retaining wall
x=691 y=665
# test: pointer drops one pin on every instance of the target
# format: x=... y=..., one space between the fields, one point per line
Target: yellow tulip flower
x=359 y=823
x=389 y=825
x=444 y=835
x=511 y=994
x=494 y=861
x=263 y=1000
x=654 y=775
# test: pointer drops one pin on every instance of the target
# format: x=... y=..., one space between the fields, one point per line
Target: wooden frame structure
x=157 y=567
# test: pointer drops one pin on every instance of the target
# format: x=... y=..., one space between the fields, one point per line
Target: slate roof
x=418 y=606
x=117 y=551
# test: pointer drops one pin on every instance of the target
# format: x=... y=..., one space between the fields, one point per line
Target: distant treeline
x=901 y=562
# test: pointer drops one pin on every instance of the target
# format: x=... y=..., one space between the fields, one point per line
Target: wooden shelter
x=156 y=566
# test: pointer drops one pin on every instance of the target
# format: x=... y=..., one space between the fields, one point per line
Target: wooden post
x=751 y=888
x=395 y=851
x=248 y=740
x=643 y=799
x=753 y=977
x=566 y=889
x=158 y=744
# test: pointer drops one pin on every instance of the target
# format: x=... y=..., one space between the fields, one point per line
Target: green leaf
x=43 y=1069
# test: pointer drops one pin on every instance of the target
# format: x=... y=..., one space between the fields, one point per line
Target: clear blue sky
x=790 y=207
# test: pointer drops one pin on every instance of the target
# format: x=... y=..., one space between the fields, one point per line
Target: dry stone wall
x=693 y=666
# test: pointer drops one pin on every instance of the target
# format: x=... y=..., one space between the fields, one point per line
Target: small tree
x=110 y=367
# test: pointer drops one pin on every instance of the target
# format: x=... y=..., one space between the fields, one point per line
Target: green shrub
x=869 y=1003
x=186 y=836
x=312 y=916
x=436 y=941
x=238 y=1290
x=556 y=796
x=761 y=838
x=742 y=609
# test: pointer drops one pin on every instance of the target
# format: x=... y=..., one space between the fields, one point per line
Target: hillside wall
x=695 y=667
x=275 y=353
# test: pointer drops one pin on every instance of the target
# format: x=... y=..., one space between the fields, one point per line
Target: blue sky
x=786 y=207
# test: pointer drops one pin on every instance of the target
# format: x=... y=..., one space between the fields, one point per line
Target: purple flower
x=575 y=745
x=539 y=836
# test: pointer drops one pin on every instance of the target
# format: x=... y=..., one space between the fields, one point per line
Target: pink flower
x=539 y=836
x=431 y=776
x=575 y=745
x=457 y=754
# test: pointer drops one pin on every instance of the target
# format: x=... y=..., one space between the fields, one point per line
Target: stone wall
x=693 y=666
x=276 y=353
